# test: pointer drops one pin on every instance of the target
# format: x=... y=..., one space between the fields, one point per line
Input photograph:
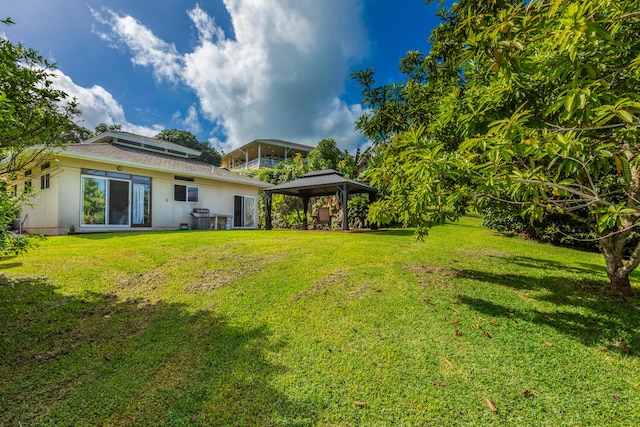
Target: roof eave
x=283 y=144
x=124 y=138
x=255 y=183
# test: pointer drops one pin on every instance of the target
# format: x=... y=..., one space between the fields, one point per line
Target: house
x=261 y=153
x=119 y=181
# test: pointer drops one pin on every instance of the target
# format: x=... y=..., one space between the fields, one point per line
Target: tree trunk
x=612 y=248
x=620 y=285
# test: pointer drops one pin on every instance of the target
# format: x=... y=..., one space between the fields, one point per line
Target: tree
x=75 y=134
x=33 y=117
x=326 y=155
x=353 y=166
x=187 y=139
x=103 y=127
x=538 y=105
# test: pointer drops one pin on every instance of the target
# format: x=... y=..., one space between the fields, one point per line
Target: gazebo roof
x=320 y=183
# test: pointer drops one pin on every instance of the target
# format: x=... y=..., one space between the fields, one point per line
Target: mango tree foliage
x=33 y=114
x=326 y=155
x=185 y=138
x=542 y=110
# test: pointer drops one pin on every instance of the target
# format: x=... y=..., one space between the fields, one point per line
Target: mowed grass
x=285 y=328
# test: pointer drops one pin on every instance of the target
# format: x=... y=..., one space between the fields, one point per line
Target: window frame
x=45 y=181
x=239 y=221
x=107 y=177
x=189 y=190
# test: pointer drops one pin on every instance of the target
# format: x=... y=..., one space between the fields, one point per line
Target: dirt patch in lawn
x=336 y=279
x=224 y=269
x=483 y=252
x=340 y=280
x=201 y=271
x=427 y=275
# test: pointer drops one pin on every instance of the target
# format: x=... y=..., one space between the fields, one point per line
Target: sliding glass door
x=244 y=212
x=141 y=206
x=115 y=199
x=94 y=201
x=118 y=202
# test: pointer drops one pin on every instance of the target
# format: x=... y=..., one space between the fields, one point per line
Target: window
x=141 y=211
x=94 y=200
x=141 y=206
x=105 y=201
x=185 y=193
x=28 y=186
x=111 y=198
x=27 y=172
x=45 y=165
x=180 y=193
x=45 y=181
x=192 y=194
x=244 y=212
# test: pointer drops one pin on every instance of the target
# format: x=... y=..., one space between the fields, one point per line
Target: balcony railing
x=259 y=163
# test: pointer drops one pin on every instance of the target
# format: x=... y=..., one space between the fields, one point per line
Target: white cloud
x=148 y=50
x=207 y=30
x=190 y=122
x=280 y=77
x=98 y=106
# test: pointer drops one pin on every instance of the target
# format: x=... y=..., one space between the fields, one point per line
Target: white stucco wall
x=58 y=207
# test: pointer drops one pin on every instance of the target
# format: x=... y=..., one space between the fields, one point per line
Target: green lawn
x=314 y=328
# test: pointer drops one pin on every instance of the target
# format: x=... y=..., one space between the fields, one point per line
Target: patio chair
x=323 y=217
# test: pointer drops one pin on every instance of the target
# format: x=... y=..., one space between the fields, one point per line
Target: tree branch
x=557 y=128
x=593 y=198
x=628 y=16
x=631 y=265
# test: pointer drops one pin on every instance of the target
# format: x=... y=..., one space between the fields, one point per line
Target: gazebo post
x=344 y=196
x=373 y=196
x=305 y=208
x=267 y=204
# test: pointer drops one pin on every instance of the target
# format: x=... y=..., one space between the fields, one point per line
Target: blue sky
x=229 y=71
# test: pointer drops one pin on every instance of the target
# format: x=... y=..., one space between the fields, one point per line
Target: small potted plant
x=72 y=229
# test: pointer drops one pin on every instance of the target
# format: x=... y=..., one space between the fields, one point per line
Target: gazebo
x=326 y=182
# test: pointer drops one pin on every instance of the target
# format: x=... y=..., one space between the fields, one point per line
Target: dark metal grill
x=201 y=213
x=201 y=218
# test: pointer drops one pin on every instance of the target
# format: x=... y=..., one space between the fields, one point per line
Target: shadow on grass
x=584 y=309
x=8 y=265
x=96 y=359
x=104 y=235
x=403 y=232
x=537 y=263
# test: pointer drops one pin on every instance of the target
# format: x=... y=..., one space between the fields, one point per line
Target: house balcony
x=258 y=163
x=263 y=153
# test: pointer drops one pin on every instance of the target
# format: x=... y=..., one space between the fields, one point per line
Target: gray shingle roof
x=112 y=152
x=319 y=183
x=127 y=137
x=284 y=143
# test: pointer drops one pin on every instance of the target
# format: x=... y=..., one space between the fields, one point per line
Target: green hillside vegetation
x=314 y=328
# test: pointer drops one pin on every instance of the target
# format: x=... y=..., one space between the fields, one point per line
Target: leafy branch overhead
x=32 y=114
x=535 y=104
